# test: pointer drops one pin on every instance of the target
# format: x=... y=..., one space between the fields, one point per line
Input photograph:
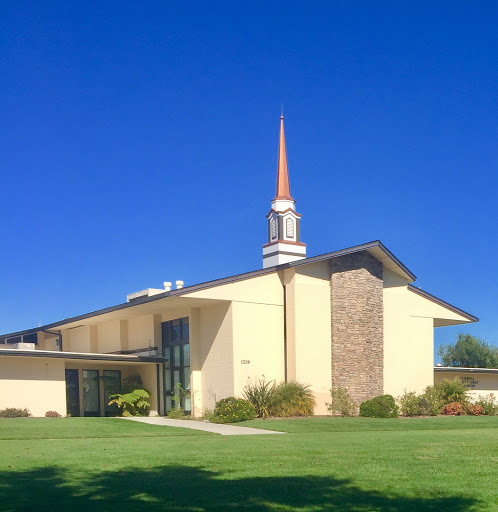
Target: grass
x=323 y=464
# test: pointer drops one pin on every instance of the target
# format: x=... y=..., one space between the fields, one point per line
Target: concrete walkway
x=215 y=428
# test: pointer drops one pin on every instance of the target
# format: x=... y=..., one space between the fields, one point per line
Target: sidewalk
x=215 y=428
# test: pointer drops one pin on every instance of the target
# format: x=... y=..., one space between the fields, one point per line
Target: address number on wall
x=244 y=361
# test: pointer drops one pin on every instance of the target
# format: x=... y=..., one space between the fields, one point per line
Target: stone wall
x=356 y=291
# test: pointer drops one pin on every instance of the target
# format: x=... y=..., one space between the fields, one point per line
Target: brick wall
x=356 y=290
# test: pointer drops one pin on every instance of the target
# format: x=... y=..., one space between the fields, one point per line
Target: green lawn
x=322 y=464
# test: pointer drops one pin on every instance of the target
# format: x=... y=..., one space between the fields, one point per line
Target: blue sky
x=139 y=144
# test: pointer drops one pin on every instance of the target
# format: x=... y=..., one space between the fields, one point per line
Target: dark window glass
x=186 y=354
x=176 y=349
x=30 y=338
x=72 y=393
x=175 y=330
x=112 y=385
x=185 y=329
x=91 y=395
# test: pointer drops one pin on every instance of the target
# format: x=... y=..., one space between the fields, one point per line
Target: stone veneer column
x=356 y=290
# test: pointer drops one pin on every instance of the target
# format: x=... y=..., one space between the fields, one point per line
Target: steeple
x=284 y=244
x=283 y=187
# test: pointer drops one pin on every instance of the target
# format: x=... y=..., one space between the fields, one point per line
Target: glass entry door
x=91 y=393
x=176 y=350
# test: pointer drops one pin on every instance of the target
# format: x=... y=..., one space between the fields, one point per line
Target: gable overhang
x=462 y=317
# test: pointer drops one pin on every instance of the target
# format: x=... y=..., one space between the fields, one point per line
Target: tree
x=469 y=352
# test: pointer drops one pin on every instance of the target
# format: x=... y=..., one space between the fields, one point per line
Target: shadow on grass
x=182 y=489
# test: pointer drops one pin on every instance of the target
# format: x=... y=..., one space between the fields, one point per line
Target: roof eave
x=447 y=305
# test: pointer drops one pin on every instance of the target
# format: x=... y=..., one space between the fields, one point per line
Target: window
x=176 y=350
x=289 y=227
x=273 y=224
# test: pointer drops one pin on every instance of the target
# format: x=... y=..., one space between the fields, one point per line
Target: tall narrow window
x=273 y=224
x=176 y=351
x=289 y=227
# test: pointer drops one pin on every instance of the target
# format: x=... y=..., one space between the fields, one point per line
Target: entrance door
x=72 y=393
x=91 y=394
x=176 y=350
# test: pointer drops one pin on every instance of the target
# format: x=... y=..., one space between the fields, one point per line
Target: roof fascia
x=351 y=250
x=218 y=282
x=456 y=369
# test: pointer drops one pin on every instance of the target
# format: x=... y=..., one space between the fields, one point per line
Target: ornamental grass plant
x=262 y=396
x=293 y=399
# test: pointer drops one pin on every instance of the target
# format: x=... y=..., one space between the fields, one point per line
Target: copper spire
x=283 y=188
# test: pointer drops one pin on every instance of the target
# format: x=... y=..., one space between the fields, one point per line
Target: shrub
x=52 y=414
x=134 y=403
x=207 y=414
x=431 y=401
x=382 y=406
x=293 y=399
x=12 y=412
x=488 y=404
x=178 y=398
x=409 y=404
x=453 y=390
x=341 y=404
x=474 y=409
x=262 y=395
x=453 y=409
x=131 y=383
x=233 y=410
x=176 y=413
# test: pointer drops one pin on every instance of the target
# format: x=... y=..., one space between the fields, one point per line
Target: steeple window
x=289 y=227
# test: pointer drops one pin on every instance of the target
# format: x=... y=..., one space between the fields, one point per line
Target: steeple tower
x=284 y=244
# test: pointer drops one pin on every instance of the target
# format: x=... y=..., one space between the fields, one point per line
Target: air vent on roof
x=149 y=292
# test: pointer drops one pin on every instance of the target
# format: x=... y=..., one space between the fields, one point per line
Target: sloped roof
x=376 y=248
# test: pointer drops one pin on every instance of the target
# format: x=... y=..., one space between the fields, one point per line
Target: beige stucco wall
x=258 y=332
x=109 y=336
x=215 y=351
x=409 y=321
x=265 y=289
x=141 y=332
x=249 y=326
x=312 y=330
x=77 y=340
x=47 y=342
x=35 y=383
x=480 y=384
x=408 y=343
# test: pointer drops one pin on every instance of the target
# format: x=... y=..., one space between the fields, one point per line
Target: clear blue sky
x=139 y=144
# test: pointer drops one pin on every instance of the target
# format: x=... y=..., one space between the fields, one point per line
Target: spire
x=284 y=234
x=283 y=187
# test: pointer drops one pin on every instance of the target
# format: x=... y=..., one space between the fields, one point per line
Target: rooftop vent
x=149 y=292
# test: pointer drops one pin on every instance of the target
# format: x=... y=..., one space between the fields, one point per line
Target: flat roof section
x=457 y=369
x=53 y=354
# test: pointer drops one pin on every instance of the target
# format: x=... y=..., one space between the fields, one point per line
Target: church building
x=350 y=318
